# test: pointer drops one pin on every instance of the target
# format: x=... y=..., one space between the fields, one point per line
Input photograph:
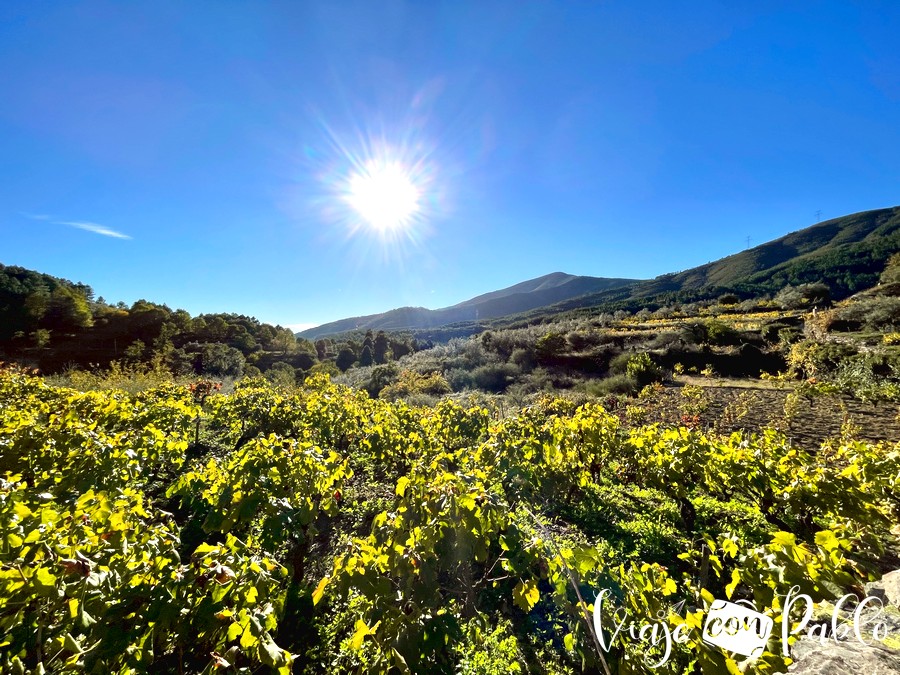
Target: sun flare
x=384 y=195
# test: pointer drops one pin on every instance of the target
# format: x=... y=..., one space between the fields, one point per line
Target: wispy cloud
x=93 y=227
x=96 y=228
x=36 y=216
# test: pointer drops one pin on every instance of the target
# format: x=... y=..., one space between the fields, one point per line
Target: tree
x=345 y=359
x=67 y=311
x=326 y=367
x=284 y=341
x=221 y=360
x=550 y=346
x=36 y=303
x=163 y=343
x=281 y=373
x=321 y=349
x=135 y=351
x=381 y=350
x=365 y=357
x=216 y=328
x=381 y=377
x=729 y=299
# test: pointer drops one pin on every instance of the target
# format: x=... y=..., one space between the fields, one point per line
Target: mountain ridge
x=847 y=253
x=521 y=297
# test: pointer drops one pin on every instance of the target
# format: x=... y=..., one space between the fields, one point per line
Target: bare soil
x=732 y=408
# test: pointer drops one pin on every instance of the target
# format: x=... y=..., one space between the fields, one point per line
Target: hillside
x=521 y=297
x=846 y=253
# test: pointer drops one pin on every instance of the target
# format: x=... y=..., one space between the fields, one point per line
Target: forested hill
x=53 y=323
x=847 y=254
x=521 y=297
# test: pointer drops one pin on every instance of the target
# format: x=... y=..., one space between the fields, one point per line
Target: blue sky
x=600 y=138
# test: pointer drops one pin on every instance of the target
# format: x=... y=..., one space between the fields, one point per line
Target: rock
x=888 y=589
x=879 y=657
x=844 y=658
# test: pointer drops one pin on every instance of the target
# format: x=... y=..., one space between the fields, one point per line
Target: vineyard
x=315 y=529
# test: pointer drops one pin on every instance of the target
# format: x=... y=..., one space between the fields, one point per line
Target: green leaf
x=273 y=655
x=70 y=644
x=400 y=662
x=569 y=642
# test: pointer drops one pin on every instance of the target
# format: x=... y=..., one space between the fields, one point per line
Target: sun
x=384 y=194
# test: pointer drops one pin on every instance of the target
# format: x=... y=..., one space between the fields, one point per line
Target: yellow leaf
x=784 y=539
x=526 y=594
x=827 y=540
x=735 y=580
x=670 y=587
x=320 y=590
x=44 y=580
x=361 y=631
x=401 y=485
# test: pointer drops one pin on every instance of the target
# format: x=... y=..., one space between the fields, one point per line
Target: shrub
x=522 y=357
x=642 y=370
x=580 y=341
x=619 y=363
x=877 y=313
x=459 y=379
x=808 y=358
x=617 y=384
x=891 y=272
x=551 y=345
x=489 y=653
x=771 y=331
x=729 y=299
x=410 y=383
x=720 y=333
x=495 y=377
x=665 y=340
x=281 y=373
x=804 y=295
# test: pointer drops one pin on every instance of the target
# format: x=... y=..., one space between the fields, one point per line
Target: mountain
x=846 y=253
x=521 y=297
